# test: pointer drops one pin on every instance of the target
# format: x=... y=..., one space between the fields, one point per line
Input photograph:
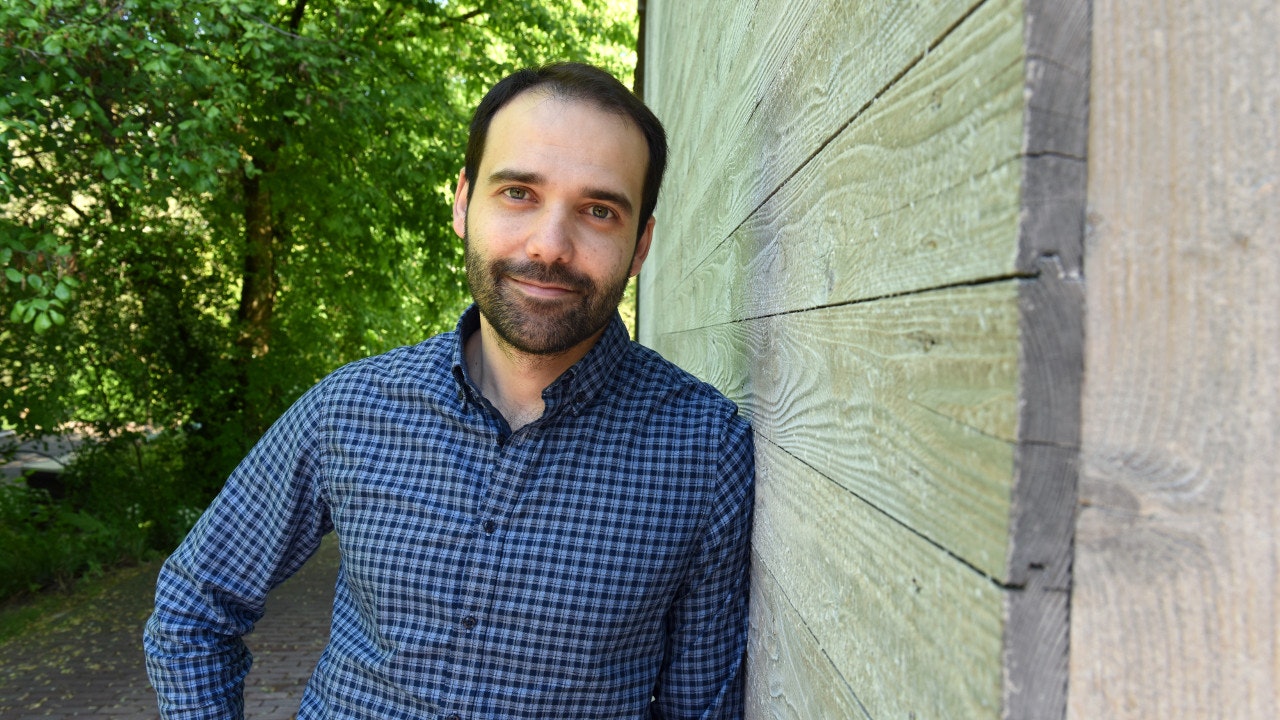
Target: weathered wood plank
x=800 y=72
x=1174 y=603
x=921 y=191
x=1057 y=47
x=1042 y=513
x=907 y=402
x=860 y=179
x=907 y=629
x=789 y=676
x=688 y=100
x=1051 y=362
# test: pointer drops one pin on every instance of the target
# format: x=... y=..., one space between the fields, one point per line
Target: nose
x=551 y=238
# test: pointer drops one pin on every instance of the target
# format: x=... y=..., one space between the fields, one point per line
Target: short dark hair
x=576 y=81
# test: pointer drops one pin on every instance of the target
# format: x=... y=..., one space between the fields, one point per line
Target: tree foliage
x=205 y=206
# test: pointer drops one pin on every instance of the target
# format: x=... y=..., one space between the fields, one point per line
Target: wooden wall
x=873 y=238
x=870 y=238
x=1174 y=609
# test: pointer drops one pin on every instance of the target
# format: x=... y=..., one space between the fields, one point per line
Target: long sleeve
x=261 y=528
x=707 y=627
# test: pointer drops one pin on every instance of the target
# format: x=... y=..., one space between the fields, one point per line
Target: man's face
x=550 y=227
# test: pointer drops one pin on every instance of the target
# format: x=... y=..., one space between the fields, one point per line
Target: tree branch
x=373 y=29
x=459 y=19
x=67 y=194
x=281 y=31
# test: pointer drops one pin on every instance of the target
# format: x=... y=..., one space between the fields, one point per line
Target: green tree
x=205 y=206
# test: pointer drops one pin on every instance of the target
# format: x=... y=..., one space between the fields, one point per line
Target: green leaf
x=166 y=158
x=35 y=281
x=42 y=323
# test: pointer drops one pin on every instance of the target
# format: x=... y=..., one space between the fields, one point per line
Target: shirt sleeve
x=263 y=525
x=704 y=666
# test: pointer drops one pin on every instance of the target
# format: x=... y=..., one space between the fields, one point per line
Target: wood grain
x=1051 y=359
x=789 y=676
x=751 y=92
x=920 y=191
x=1174 y=611
x=906 y=628
x=871 y=239
x=907 y=402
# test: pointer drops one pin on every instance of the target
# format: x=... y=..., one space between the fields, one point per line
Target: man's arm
x=703 y=672
x=261 y=528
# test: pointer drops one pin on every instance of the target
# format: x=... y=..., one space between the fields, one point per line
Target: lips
x=540 y=280
x=537 y=289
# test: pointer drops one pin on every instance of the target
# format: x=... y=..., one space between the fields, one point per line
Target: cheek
x=494 y=237
x=612 y=262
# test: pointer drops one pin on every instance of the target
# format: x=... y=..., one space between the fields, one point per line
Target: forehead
x=565 y=139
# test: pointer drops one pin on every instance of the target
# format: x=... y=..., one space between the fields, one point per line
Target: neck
x=513 y=380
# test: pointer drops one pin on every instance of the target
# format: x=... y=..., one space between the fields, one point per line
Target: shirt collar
x=467 y=324
x=576 y=387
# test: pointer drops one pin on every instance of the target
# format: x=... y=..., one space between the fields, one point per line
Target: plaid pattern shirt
x=592 y=564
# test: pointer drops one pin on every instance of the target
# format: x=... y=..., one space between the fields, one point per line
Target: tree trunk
x=257 y=305
x=258 y=291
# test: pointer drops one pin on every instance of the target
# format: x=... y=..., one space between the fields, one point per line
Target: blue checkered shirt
x=592 y=564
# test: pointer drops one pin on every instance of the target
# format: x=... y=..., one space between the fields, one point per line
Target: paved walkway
x=88 y=662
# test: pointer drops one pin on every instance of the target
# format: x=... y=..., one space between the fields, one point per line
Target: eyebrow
x=533 y=178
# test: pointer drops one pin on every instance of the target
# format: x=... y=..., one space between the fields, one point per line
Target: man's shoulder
x=669 y=406
x=424 y=363
x=650 y=375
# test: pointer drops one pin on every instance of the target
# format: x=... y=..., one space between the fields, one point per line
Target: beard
x=540 y=326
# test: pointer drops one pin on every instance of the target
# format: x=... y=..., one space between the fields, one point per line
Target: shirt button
x=469 y=621
x=490 y=526
x=454 y=716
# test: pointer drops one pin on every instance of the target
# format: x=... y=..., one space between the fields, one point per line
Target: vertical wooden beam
x=1176 y=591
x=1051 y=298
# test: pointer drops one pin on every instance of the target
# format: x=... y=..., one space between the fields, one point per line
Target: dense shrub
x=121 y=501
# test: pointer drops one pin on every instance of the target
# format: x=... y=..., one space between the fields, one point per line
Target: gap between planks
x=911 y=64
x=1008 y=587
x=977 y=282
x=782 y=590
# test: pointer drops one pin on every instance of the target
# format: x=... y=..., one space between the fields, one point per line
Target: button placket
x=502 y=493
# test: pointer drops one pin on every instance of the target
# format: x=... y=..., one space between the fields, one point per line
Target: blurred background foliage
x=207 y=206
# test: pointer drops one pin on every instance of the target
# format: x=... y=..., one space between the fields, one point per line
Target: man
x=537 y=517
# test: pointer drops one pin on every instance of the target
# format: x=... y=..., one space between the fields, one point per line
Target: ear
x=460 y=204
x=642 y=247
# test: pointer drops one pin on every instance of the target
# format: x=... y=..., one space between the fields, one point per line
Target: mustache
x=543 y=274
